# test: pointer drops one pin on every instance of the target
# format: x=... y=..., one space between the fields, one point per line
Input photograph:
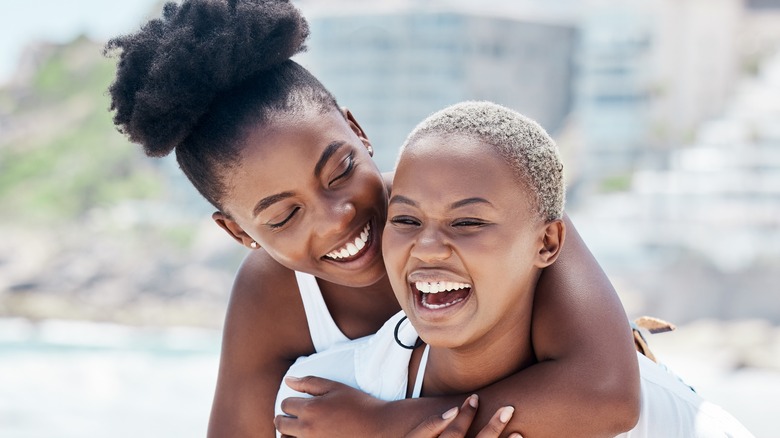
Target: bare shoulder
x=265 y=299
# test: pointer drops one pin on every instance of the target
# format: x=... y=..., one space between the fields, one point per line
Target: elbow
x=620 y=403
x=625 y=408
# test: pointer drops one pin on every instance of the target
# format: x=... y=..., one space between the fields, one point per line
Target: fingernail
x=474 y=401
x=449 y=414
x=292 y=379
x=515 y=435
x=506 y=414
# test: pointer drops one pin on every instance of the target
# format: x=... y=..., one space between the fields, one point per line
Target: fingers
x=452 y=424
x=310 y=384
x=433 y=425
x=497 y=423
x=286 y=425
x=459 y=426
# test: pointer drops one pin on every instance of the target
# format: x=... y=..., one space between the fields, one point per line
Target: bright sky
x=23 y=21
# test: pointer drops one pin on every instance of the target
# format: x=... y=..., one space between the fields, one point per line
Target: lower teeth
x=438 y=306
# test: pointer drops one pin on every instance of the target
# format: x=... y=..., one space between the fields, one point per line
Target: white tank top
x=322 y=328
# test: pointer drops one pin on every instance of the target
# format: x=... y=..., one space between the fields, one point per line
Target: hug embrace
x=468 y=239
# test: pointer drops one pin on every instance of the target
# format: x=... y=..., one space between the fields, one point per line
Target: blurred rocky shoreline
x=129 y=277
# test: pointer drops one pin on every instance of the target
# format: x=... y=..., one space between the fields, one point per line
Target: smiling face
x=307 y=191
x=463 y=245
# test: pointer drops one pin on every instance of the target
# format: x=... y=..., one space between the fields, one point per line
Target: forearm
x=551 y=400
x=399 y=417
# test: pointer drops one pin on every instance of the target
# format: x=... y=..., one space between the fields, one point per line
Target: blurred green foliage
x=616 y=183
x=61 y=155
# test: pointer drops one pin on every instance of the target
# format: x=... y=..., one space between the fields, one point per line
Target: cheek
x=289 y=250
x=394 y=250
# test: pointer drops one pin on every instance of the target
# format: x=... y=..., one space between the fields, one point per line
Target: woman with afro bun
x=291 y=177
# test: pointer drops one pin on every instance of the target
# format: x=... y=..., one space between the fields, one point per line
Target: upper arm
x=580 y=322
x=265 y=331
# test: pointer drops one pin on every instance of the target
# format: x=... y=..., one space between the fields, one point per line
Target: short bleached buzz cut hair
x=522 y=142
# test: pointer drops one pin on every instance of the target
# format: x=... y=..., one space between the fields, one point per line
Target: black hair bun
x=172 y=69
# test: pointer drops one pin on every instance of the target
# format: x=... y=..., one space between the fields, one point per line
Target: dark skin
x=585 y=383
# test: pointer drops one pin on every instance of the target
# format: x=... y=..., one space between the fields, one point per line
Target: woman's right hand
x=455 y=423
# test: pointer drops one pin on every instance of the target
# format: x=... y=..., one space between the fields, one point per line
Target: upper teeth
x=439 y=286
x=353 y=247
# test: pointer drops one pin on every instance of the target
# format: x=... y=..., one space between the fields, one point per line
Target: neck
x=359 y=311
x=503 y=351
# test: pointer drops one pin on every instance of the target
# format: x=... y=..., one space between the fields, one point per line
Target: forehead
x=303 y=130
x=280 y=155
x=456 y=166
x=290 y=142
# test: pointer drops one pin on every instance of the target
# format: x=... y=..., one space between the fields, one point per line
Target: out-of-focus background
x=114 y=281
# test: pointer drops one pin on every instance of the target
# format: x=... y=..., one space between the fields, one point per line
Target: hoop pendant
x=398 y=341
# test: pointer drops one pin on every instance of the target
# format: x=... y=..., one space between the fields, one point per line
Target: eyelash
x=410 y=221
x=404 y=220
x=287 y=219
x=351 y=165
x=468 y=223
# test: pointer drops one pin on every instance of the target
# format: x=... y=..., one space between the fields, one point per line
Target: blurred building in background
x=394 y=63
x=613 y=90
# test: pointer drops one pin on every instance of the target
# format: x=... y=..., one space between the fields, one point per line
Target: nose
x=335 y=217
x=431 y=245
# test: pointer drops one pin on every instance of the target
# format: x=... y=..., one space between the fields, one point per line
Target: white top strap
x=418 y=381
x=322 y=328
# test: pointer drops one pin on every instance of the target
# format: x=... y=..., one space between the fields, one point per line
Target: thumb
x=311 y=385
x=434 y=425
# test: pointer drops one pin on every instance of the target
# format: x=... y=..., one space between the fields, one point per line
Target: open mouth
x=437 y=295
x=354 y=248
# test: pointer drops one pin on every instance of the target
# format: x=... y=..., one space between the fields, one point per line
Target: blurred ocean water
x=74 y=379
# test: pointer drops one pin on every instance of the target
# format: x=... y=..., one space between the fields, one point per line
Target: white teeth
x=353 y=247
x=439 y=306
x=439 y=286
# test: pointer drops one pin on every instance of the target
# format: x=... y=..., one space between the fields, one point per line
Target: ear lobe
x=355 y=126
x=234 y=230
x=552 y=242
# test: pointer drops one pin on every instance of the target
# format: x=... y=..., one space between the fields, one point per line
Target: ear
x=355 y=126
x=234 y=230
x=554 y=233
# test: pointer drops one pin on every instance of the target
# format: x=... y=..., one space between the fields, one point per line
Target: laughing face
x=307 y=191
x=462 y=245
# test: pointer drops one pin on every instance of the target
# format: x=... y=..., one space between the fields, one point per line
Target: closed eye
x=469 y=222
x=285 y=220
x=404 y=221
x=347 y=164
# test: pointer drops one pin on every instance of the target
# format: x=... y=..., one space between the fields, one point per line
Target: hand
x=334 y=410
x=455 y=423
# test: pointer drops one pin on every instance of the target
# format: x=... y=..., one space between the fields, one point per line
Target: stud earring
x=370 y=150
x=254 y=245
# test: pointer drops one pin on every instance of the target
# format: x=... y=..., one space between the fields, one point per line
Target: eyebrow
x=469 y=201
x=269 y=201
x=326 y=154
x=399 y=199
